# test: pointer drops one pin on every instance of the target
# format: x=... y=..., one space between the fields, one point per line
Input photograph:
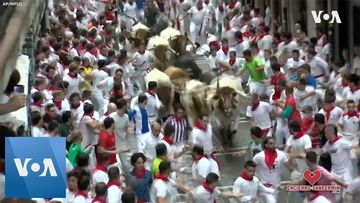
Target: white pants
x=140 y=140
x=282 y=132
x=257 y=87
x=140 y=14
x=129 y=23
x=196 y=32
x=180 y=23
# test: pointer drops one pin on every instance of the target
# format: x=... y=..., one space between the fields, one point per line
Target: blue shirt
x=141 y=186
x=144 y=119
x=139 y=4
x=310 y=80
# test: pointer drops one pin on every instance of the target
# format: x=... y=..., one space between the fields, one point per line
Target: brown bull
x=141 y=36
x=178 y=44
x=161 y=61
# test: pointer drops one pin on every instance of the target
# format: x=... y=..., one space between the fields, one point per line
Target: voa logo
x=48 y=167
x=35 y=167
x=318 y=16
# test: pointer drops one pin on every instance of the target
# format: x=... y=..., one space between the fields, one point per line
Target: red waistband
x=319 y=76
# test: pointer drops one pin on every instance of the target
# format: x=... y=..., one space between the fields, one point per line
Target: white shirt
x=299 y=146
x=113 y=66
x=70 y=196
x=309 y=101
x=289 y=48
x=73 y=53
x=340 y=156
x=74 y=84
x=197 y=16
x=204 y=139
x=170 y=149
x=351 y=125
x=163 y=189
x=221 y=56
x=152 y=106
x=319 y=66
x=291 y=63
x=130 y=10
x=203 y=196
x=97 y=77
x=263 y=172
x=348 y=94
x=148 y=145
x=82 y=199
x=114 y=194
x=91 y=57
x=261 y=115
x=250 y=188
x=319 y=199
x=265 y=42
x=142 y=61
x=121 y=125
x=37 y=132
x=335 y=115
x=201 y=168
x=99 y=176
x=89 y=136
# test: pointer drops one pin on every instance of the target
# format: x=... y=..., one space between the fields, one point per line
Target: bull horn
x=172 y=50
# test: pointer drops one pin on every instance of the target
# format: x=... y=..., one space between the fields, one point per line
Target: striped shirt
x=182 y=127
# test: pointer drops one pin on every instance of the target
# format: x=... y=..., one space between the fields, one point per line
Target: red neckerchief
x=87 y=114
x=299 y=134
x=113 y=182
x=245 y=176
x=181 y=1
x=225 y=50
x=76 y=107
x=214 y=44
x=325 y=44
x=199 y=126
x=208 y=188
x=38 y=104
x=336 y=74
x=140 y=201
x=344 y=83
x=57 y=104
x=139 y=173
x=255 y=106
x=335 y=140
x=177 y=119
x=246 y=34
x=91 y=39
x=316 y=195
x=354 y=90
x=118 y=93
x=82 y=193
x=95 y=52
x=232 y=4
x=232 y=62
x=352 y=114
x=73 y=75
x=151 y=93
x=240 y=41
x=168 y=140
x=328 y=112
x=101 y=168
x=270 y=157
x=199 y=7
x=162 y=177
x=106 y=114
x=99 y=199
x=198 y=158
x=141 y=52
